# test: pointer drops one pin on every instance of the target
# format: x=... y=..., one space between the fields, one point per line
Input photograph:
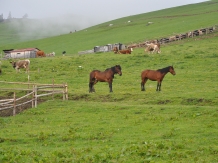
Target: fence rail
x=32 y=95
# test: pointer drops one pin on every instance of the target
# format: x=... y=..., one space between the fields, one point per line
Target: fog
x=54 y=17
x=28 y=29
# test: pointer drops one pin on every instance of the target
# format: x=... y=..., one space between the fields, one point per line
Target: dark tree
x=25 y=16
x=9 y=15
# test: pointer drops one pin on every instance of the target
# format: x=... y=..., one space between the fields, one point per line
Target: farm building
x=21 y=53
x=109 y=47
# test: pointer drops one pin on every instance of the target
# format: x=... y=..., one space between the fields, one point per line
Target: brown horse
x=103 y=76
x=155 y=75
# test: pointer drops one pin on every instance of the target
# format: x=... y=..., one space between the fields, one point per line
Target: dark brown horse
x=155 y=75
x=103 y=76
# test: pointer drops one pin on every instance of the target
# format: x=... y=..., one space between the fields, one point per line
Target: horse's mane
x=113 y=68
x=164 y=70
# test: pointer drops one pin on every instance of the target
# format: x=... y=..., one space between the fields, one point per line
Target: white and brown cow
x=153 y=48
x=21 y=64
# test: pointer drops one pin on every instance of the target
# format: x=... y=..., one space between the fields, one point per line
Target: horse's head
x=172 y=71
x=118 y=69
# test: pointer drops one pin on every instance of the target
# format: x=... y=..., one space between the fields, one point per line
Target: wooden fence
x=162 y=40
x=189 y=34
x=32 y=94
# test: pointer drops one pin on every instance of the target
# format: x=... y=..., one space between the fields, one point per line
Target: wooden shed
x=21 y=53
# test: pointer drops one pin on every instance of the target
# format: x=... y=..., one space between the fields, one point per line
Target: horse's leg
x=90 y=86
x=143 y=84
x=95 y=81
x=158 y=85
x=110 y=86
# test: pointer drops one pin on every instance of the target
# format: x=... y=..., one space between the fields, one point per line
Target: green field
x=178 y=124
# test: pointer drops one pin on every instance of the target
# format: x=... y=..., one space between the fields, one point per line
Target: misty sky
x=95 y=9
x=65 y=16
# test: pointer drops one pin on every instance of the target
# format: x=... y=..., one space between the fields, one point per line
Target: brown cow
x=124 y=51
x=40 y=54
x=21 y=64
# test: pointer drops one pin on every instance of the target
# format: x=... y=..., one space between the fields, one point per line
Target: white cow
x=21 y=64
x=153 y=48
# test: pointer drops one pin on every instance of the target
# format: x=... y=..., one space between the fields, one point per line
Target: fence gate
x=16 y=104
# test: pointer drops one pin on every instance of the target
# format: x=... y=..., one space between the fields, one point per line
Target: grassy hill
x=178 y=124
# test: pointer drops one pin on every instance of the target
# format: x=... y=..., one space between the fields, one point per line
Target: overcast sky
x=65 y=16
x=95 y=9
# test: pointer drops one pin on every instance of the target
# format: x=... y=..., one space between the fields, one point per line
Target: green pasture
x=178 y=124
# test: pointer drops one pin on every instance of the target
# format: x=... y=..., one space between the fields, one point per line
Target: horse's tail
x=92 y=75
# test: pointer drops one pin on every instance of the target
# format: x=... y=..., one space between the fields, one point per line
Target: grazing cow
x=154 y=41
x=115 y=50
x=40 y=54
x=21 y=64
x=200 y=32
x=125 y=51
x=153 y=48
x=189 y=34
x=50 y=54
x=172 y=38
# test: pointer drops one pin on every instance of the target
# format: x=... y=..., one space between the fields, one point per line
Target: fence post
x=35 y=96
x=53 y=89
x=14 y=109
x=66 y=91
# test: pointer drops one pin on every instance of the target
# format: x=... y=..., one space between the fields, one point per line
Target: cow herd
x=41 y=53
x=151 y=47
